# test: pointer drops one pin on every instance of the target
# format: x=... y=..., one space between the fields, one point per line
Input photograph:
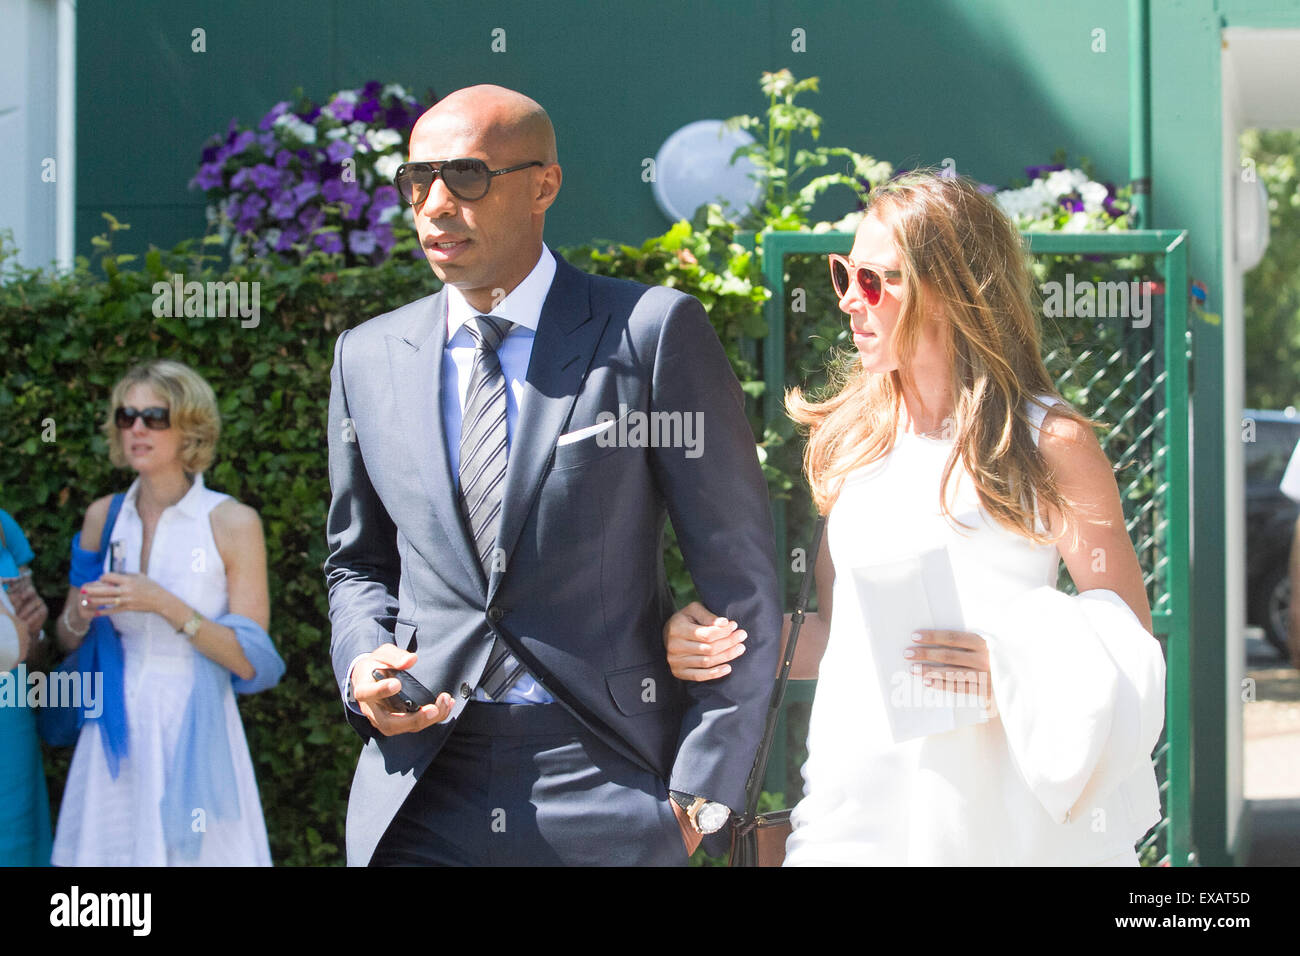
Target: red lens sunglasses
x=870 y=281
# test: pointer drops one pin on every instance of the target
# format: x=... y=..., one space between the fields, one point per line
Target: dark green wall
x=995 y=85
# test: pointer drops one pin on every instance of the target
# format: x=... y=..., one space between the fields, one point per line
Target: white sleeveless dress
x=953 y=798
x=107 y=822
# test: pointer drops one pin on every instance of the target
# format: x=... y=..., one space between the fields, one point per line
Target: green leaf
x=754 y=325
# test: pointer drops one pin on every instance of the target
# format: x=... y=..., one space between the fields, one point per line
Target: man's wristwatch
x=706 y=816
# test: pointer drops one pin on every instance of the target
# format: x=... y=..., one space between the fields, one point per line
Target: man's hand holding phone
x=381 y=701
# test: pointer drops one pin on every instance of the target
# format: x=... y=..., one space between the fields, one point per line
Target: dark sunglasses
x=156 y=418
x=870 y=281
x=466 y=179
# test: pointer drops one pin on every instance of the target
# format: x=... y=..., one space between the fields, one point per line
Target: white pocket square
x=587 y=432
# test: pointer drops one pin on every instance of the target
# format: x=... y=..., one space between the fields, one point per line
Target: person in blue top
x=24 y=803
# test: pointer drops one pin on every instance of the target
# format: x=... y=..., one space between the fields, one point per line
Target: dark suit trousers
x=527 y=785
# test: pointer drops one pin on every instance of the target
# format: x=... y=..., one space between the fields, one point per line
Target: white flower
x=382 y=139
x=1093 y=195
x=296 y=127
x=347 y=96
x=848 y=224
x=337 y=133
x=393 y=89
x=1031 y=202
x=1078 y=222
x=391 y=213
x=386 y=166
x=1064 y=181
x=357 y=128
x=1010 y=202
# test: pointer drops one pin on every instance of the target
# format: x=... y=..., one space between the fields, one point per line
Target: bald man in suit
x=496 y=526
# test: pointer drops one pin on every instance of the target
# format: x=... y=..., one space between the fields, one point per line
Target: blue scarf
x=201 y=779
x=101 y=652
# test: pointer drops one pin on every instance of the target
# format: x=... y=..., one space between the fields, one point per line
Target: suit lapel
x=416 y=362
x=567 y=335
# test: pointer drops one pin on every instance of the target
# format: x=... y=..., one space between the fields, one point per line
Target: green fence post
x=1178 y=663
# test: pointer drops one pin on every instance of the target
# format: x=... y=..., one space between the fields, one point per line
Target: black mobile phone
x=410 y=697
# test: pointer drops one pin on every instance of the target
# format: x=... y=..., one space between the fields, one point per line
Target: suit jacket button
x=465 y=690
x=495 y=614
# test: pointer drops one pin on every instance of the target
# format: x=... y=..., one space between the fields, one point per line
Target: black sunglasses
x=466 y=179
x=156 y=418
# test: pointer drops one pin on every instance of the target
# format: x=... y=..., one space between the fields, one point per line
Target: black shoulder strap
x=755 y=784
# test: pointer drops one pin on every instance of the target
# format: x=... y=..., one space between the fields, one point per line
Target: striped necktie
x=483 y=449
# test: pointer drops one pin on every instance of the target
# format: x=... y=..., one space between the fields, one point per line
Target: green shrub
x=67 y=340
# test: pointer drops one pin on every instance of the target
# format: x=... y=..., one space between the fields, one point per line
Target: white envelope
x=899 y=597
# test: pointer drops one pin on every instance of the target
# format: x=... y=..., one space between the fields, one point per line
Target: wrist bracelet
x=67 y=623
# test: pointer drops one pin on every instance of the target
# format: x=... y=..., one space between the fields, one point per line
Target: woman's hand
x=115 y=592
x=24 y=636
x=699 y=643
x=953 y=661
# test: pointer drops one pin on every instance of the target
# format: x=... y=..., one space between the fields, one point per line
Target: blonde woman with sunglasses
x=161 y=774
x=944 y=433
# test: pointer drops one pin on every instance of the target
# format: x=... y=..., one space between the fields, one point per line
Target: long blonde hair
x=963 y=260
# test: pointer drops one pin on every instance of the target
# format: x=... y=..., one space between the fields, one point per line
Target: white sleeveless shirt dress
x=948 y=799
x=118 y=822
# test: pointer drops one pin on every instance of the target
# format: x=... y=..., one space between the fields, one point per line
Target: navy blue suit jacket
x=581 y=594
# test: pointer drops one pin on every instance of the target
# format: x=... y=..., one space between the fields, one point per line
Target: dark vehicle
x=1270 y=521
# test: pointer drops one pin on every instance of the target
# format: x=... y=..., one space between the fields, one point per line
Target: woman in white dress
x=944 y=431
x=178 y=788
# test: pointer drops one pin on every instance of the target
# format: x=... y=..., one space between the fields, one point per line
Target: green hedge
x=66 y=340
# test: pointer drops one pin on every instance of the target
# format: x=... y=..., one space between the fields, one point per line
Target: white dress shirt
x=523 y=307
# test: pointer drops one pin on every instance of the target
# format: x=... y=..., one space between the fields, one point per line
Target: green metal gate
x=1132 y=377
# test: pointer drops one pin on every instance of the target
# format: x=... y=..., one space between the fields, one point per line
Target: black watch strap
x=715 y=814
